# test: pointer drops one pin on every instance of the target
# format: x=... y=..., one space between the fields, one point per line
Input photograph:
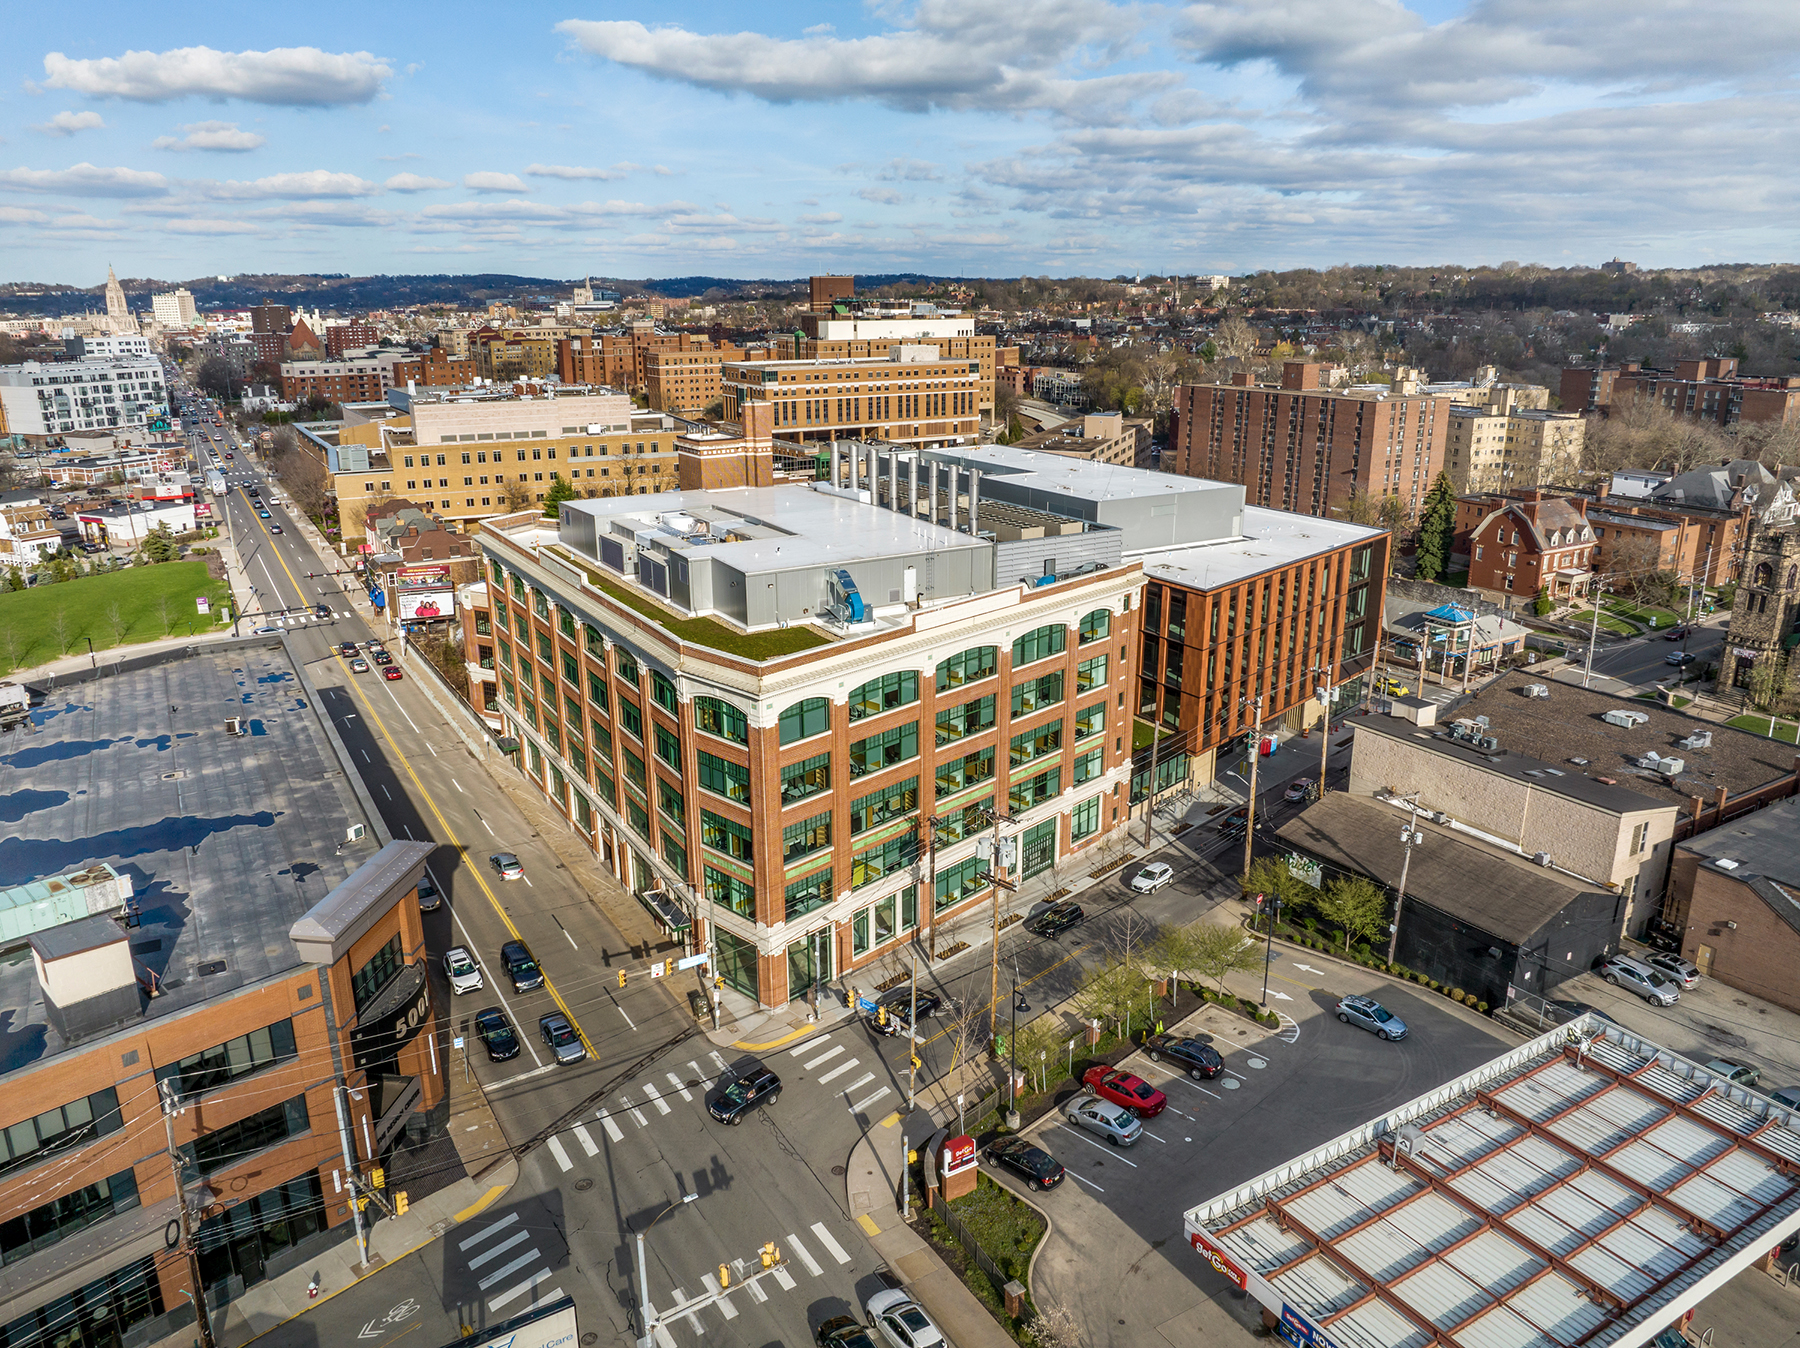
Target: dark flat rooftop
x=1765 y=843
x=228 y=839
x=1567 y=725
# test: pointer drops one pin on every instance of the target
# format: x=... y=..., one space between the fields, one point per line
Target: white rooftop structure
x=1271 y=539
x=1585 y=1189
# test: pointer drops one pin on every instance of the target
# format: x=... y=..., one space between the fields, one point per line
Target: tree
x=559 y=492
x=1542 y=604
x=160 y=545
x=515 y=495
x=61 y=630
x=11 y=646
x=1173 y=951
x=216 y=377
x=1355 y=903
x=15 y=580
x=1768 y=681
x=1269 y=876
x=1235 y=340
x=1219 y=951
x=1110 y=992
x=1639 y=432
x=1437 y=525
x=115 y=619
x=1054 y=1326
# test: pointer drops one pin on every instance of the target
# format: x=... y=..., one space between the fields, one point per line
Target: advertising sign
x=423 y=578
x=1301 y=1330
x=202 y=603
x=425 y=605
x=959 y=1155
x=398 y=1014
x=551 y=1326
x=1220 y=1261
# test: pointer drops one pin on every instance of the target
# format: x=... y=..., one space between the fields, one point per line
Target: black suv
x=1200 y=1061
x=1037 y=1167
x=1056 y=919
x=898 y=1005
x=521 y=967
x=759 y=1086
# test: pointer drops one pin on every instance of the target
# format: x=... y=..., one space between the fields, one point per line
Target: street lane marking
x=586 y=1139
x=861 y=1105
x=523 y=1076
x=636 y=1114
x=457 y=785
x=366 y=758
x=612 y=1129
x=719 y=1062
x=839 y=1070
x=662 y=1106
x=1154 y=1138
x=718 y=1295
x=859 y=1083
x=823 y=1057
x=507 y=1270
x=1110 y=1151
x=675 y=1081
x=628 y=1020
x=562 y=1157
x=699 y=1076
x=812 y=1265
x=808 y=1047
x=510 y=1219
x=514 y=1293
x=756 y=1292
x=488 y=1256
x=837 y=1251
x=786 y=1279
x=386 y=792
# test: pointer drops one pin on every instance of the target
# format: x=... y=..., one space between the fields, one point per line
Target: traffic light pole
x=188 y=1245
x=349 y=1146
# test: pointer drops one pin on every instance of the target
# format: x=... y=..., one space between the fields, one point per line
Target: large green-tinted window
x=1040 y=644
x=807 y=893
x=626 y=664
x=1030 y=744
x=954 y=775
x=805 y=719
x=1084 y=819
x=965 y=821
x=960 y=882
x=668 y=800
x=737 y=962
x=1090 y=720
x=884 y=694
x=965 y=719
x=723 y=777
x=631 y=718
x=713 y=717
x=805 y=838
x=1089 y=766
x=1036 y=694
x=668 y=746
x=1090 y=674
x=1034 y=790
x=870 y=864
x=877 y=808
x=662 y=688
x=725 y=835
x=728 y=891
x=805 y=778
x=1095 y=625
x=884 y=750
x=978 y=662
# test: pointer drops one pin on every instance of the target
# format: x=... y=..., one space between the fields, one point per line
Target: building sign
x=1299 y=1329
x=1307 y=869
x=1220 y=1261
x=425 y=605
x=394 y=1018
x=202 y=603
x=423 y=578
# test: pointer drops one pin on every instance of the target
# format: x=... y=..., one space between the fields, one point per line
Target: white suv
x=1652 y=985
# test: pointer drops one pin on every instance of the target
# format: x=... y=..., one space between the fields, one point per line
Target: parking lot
x=1116 y=1255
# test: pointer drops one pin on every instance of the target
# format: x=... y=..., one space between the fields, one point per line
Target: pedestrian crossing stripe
x=562 y=1157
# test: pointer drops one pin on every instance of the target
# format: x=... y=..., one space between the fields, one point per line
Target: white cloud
x=910 y=170
x=196 y=225
x=21 y=215
x=68 y=123
x=493 y=182
x=415 y=182
x=565 y=171
x=297 y=76
x=881 y=196
x=823 y=218
x=86 y=180
x=218 y=136
x=312 y=183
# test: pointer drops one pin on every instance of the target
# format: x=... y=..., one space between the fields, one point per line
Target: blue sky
x=993 y=137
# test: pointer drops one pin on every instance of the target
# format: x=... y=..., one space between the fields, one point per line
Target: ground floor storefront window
x=737 y=962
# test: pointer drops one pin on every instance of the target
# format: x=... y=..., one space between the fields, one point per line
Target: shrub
x=1456 y=994
x=1482 y=1007
x=1310 y=922
x=1433 y=984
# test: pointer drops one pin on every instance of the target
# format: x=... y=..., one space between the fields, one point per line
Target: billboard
x=422 y=578
x=425 y=605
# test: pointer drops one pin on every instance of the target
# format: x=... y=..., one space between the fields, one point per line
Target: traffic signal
x=724 y=1276
x=881 y=1016
x=400 y=1203
x=770 y=1255
x=378 y=1177
x=621 y=978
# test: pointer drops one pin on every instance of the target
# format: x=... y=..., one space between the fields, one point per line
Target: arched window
x=714 y=717
x=1040 y=644
x=805 y=719
x=1096 y=625
x=1792 y=571
x=1765 y=576
x=884 y=694
x=970 y=666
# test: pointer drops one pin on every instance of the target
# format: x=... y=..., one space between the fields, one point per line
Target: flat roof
x=1567 y=725
x=1272 y=539
x=228 y=840
x=1584 y=1189
x=1761 y=843
x=1083 y=479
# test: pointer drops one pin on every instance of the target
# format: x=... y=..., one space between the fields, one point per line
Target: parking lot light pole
x=1269 y=943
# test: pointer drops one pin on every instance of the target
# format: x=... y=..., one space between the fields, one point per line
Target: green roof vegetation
x=702 y=631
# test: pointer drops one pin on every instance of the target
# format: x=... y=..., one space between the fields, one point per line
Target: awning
x=665 y=909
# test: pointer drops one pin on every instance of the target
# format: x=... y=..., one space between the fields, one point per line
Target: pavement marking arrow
x=1309 y=969
x=1284 y=997
x=370 y=1332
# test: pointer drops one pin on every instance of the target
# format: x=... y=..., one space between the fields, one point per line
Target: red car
x=1122 y=1088
x=391 y=672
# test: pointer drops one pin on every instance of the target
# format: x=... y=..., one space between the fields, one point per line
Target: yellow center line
x=450 y=833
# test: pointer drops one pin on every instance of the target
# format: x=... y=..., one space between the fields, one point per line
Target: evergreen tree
x=559 y=492
x=1437 y=525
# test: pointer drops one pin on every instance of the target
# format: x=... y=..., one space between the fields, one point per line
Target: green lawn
x=703 y=631
x=28 y=618
x=1759 y=725
x=1002 y=1225
x=1617 y=626
x=1677 y=702
x=1457 y=579
x=1665 y=619
x=1142 y=734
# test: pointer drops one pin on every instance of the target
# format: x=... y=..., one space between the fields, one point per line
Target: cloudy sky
x=993 y=137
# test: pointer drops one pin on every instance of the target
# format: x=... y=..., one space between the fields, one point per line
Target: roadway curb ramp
x=872 y=1187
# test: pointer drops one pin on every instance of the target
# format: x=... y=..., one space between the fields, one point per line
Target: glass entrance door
x=809 y=963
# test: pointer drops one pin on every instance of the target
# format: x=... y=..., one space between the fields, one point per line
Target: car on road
x=561 y=1038
x=347 y=648
x=263 y=515
x=1200 y=1061
x=229 y=455
x=843 y=1331
x=1652 y=985
x=893 y=1012
x=428 y=895
x=1682 y=971
x=1676 y=633
x=758 y=1086
x=1301 y=788
x=391 y=673
x=1117 y=1124
x=1037 y=1167
x=380 y=656
x=462 y=971
x=1126 y=1089
x=265 y=631
x=1787 y=1095
x=1391 y=687
x=1679 y=658
x=1056 y=919
x=320 y=611
x=275 y=529
x=496 y=1033
x=521 y=966
x=508 y=866
x=1735 y=1072
x=359 y=665
x=1153 y=877
x=903 y=1322
x=1371 y=1015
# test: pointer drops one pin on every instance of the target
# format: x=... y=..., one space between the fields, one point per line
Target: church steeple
x=118 y=316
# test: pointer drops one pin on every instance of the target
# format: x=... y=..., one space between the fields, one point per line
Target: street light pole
x=1255 y=757
x=647 y=1334
x=1410 y=837
x=1269 y=944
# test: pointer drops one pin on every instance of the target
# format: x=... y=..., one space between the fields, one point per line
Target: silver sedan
x=1115 y=1123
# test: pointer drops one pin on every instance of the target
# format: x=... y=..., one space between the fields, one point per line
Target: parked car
x=1200 y=1061
x=1679 y=658
x=1037 y=1167
x=1682 y=971
x=508 y=866
x=903 y=1322
x=1652 y=985
x=496 y=1033
x=1117 y=1124
x=843 y=1331
x=1735 y=1072
x=1125 y=1088
x=1056 y=919
x=460 y=967
x=1787 y=1095
x=393 y=672
x=561 y=1038
x=758 y=1086
x=521 y=966
x=1392 y=687
x=359 y=665
x=1301 y=788
x=1371 y=1015
x=1153 y=877
x=428 y=894
x=1238 y=817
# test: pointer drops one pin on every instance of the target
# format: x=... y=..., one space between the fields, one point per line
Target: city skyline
x=1046 y=136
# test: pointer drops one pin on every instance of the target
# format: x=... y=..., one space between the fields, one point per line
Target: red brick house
x=1534 y=542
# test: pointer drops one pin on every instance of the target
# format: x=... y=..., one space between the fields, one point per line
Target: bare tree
x=1235 y=340
x=11 y=646
x=115 y=619
x=516 y=495
x=163 y=613
x=1639 y=432
x=61 y=630
x=1054 y=1326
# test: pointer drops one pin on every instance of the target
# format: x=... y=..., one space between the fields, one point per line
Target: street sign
x=658 y=969
x=693 y=961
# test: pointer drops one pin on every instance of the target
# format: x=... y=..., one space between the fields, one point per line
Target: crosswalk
x=684 y=1309
x=502 y=1250
x=822 y=1053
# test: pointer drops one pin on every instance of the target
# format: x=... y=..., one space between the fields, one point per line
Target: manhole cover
x=1230 y=1083
x=583 y=1185
x=1257 y=1063
x=590 y=1337
x=837 y=1169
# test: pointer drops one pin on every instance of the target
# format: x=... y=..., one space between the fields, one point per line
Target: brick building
x=1307 y=448
x=685 y=379
x=1734 y=894
x=910 y=397
x=351 y=336
x=1488 y=449
x=825 y=291
x=435 y=367
x=249 y=1005
x=1707 y=390
x=353 y=380
x=1531 y=541
x=1098 y=437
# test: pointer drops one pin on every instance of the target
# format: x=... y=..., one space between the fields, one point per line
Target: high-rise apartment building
x=825 y=291
x=685 y=379
x=1707 y=390
x=910 y=397
x=1489 y=449
x=270 y=317
x=863 y=329
x=1307 y=448
x=173 y=308
x=39 y=401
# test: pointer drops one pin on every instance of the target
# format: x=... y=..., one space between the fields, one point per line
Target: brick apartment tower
x=709 y=463
x=824 y=291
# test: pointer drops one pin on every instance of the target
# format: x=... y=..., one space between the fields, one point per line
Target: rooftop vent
x=1699 y=739
x=1625 y=718
x=1669 y=767
x=1537 y=690
x=1542 y=858
x=234 y=725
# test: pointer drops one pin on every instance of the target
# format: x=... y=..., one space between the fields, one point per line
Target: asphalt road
x=1642 y=661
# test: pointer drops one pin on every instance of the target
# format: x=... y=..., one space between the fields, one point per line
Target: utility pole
x=1150 y=799
x=349 y=1146
x=993 y=876
x=1410 y=837
x=912 y=1047
x=1593 y=636
x=188 y=1244
x=1255 y=757
x=1325 y=696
